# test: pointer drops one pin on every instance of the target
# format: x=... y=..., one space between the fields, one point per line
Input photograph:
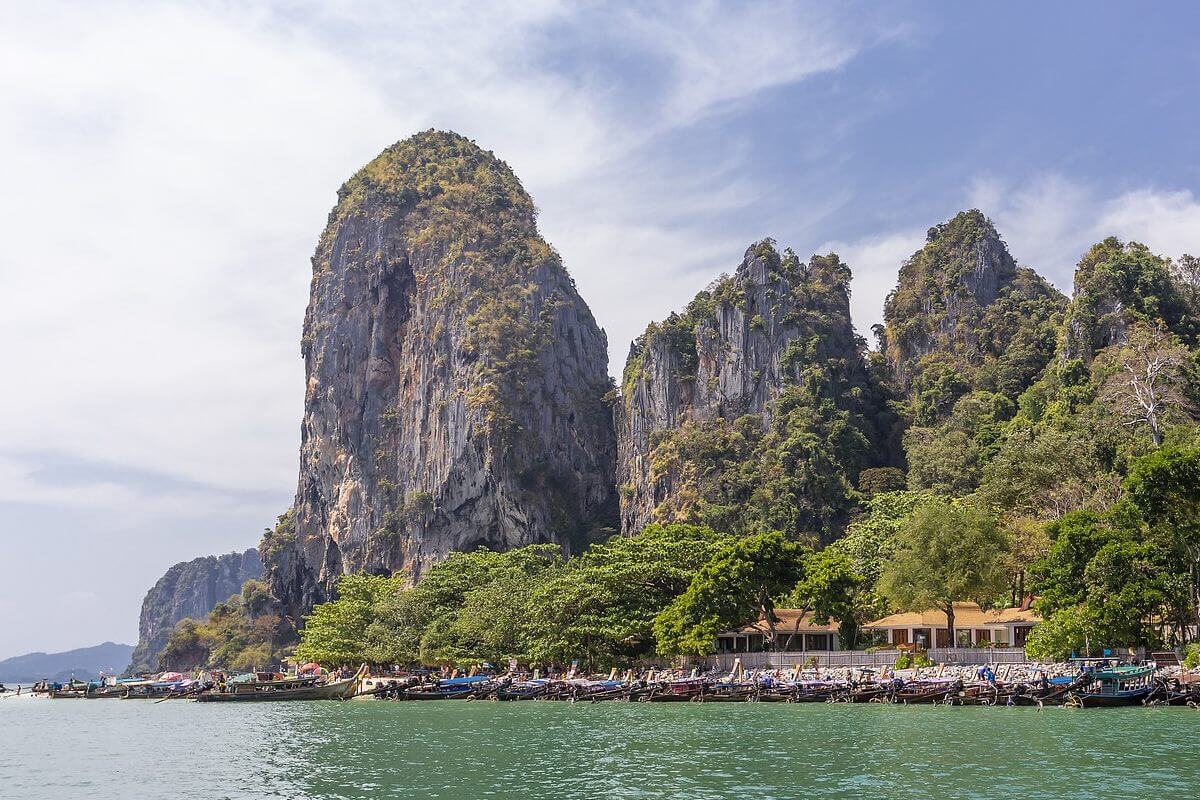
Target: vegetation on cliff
x=776 y=413
x=964 y=317
x=245 y=632
x=455 y=379
x=763 y=454
x=189 y=589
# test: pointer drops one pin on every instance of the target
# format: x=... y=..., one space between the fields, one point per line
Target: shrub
x=1191 y=658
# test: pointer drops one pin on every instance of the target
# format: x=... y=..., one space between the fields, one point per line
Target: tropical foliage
x=243 y=633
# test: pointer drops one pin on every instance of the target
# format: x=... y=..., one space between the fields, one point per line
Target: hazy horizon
x=170 y=167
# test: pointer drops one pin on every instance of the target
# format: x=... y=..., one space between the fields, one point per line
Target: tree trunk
x=768 y=610
x=949 y=624
x=1195 y=593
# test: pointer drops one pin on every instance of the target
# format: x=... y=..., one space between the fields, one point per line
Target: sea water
x=69 y=749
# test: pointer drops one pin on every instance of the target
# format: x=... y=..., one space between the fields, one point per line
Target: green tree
x=1060 y=577
x=739 y=583
x=942 y=460
x=1071 y=630
x=480 y=603
x=870 y=541
x=244 y=632
x=832 y=589
x=1108 y=569
x=601 y=608
x=185 y=649
x=1165 y=486
x=334 y=633
x=946 y=554
x=472 y=606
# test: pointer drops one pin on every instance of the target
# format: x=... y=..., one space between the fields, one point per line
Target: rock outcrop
x=188 y=589
x=456 y=380
x=1117 y=285
x=964 y=316
x=702 y=391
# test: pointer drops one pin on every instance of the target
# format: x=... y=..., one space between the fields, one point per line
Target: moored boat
x=1116 y=686
x=298 y=688
x=470 y=688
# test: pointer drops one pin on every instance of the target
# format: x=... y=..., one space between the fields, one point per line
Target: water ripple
x=61 y=750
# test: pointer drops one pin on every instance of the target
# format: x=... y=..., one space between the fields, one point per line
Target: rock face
x=962 y=305
x=456 y=381
x=1118 y=285
x=778 y=325
x=188 y=589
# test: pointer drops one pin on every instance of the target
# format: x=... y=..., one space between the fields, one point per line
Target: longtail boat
x=1177 y=691
x=1116 y=686
x=523 y=690
x=675 y=691
x=308 y=688
x=470 y=688
x=67 y=691
x=926 y=692
x=726 y=692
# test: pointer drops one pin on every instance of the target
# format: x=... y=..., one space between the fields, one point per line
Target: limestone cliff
x=188 y=589
x=964 y=316
x=1116 y=285
x=455 y=379
x=754 y=407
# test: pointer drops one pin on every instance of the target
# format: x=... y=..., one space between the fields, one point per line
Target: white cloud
x=874 y=261
x=1169 y=222
x=1049 y=222
x=170 y=166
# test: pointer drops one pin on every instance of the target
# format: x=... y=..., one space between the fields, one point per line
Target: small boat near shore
x=283 y=689
x=1116 y=686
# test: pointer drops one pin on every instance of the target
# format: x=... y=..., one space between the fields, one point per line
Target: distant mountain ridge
x=84 y=663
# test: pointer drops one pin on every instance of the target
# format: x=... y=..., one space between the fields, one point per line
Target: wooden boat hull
x=671 y=697
x=509 y=696
x=916 y=698
x=776 y=697
x=876 y=694
x=1118 y=700
x=466 y=694
x=341 y=690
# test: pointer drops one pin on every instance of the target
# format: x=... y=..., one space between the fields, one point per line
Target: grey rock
x=188 y=589
x=455 y=380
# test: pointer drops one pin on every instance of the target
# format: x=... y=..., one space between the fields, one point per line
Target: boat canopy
x=464 y=681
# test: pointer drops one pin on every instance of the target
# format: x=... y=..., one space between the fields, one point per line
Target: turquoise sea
x=69 y=749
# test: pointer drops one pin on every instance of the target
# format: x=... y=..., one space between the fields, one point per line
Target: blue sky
x=168 y=168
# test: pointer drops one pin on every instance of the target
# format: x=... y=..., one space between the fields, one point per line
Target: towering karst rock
x=753 y=408
x=455 y=379
x=964 y=316
x=188 y=589
x=1118 y=285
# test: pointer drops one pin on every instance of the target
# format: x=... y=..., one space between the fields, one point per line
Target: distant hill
x=84 y=663
x=188 y=589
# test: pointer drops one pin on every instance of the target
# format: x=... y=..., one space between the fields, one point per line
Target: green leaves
x=334 y=634
x=242 y=633
x=527 y=604
x=946 y=554
x=739 y=584
x=601 y=608
x=1134 y=566
x=833 y=589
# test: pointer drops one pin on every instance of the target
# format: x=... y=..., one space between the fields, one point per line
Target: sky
x=166 y=169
